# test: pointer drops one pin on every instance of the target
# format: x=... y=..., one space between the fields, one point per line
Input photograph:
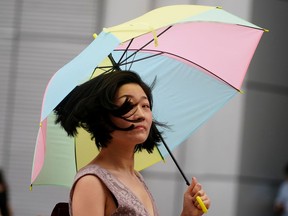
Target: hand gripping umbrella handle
x=199 y=200
x=202 y=205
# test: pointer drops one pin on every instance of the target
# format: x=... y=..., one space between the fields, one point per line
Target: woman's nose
x=139 y=114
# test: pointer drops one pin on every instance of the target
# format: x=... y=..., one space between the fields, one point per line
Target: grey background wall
x=237 y=155
x=264 y=148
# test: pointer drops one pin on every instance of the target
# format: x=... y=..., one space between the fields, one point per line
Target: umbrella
x=199 y=54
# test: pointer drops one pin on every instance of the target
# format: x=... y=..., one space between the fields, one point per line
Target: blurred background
x=238 y=155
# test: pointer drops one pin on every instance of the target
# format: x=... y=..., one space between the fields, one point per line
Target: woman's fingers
x=190 y=205
x=197 y=191
x=201 y=205
x=202 y=202
x=192 y=185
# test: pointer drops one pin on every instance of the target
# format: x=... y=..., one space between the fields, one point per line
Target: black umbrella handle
x=174 y=160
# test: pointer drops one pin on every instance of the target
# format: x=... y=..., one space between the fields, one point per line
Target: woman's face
x=141 y=115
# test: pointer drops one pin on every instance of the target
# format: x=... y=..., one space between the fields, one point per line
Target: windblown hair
x=91 y=104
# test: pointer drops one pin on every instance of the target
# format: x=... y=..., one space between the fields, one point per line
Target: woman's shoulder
x=88 y=169
x=87 y=182
x=87 y=189
x=88 y=176
x=94 y=171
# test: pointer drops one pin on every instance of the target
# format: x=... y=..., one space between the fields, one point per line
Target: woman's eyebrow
x=131 y=96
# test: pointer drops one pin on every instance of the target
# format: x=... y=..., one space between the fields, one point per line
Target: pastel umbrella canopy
x=199 y=54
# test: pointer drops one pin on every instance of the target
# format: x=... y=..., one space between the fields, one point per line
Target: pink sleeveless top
x=127 y=202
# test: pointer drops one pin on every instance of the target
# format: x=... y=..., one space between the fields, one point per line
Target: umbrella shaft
x=175 y=161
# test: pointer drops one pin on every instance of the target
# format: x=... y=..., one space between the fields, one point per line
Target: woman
x=116 y=109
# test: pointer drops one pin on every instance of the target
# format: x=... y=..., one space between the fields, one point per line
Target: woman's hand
x=190 y=205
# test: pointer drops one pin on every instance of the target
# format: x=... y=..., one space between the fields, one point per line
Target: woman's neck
x=116 y=158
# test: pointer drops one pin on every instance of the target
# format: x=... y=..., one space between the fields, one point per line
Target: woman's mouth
x=139 y=127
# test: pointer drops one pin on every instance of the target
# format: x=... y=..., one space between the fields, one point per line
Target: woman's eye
x=146 y=106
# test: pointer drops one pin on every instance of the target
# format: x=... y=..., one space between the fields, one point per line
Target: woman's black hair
x=91 y=104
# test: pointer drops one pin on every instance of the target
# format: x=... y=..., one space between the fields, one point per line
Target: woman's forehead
x=131 y=90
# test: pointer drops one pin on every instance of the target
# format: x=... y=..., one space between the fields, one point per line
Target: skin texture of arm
x=90 y=198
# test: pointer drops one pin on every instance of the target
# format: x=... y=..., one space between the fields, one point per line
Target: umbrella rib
x=141 y=48
x=252 y=27
x=121 y=62
x=171 y=54
x=115 y=65
x=140 y=59
x=130 y=42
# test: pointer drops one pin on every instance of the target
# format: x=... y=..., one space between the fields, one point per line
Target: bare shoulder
x=89 y=196
x=89 y=185
x=89 y=180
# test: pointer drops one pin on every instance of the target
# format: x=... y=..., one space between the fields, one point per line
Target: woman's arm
x=89 y=197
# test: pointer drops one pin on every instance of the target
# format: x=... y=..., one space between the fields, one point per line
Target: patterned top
x=128 y=203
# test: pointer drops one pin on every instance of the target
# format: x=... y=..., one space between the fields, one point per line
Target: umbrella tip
x=219 y=7
x=266 y=30
x=94 y=35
